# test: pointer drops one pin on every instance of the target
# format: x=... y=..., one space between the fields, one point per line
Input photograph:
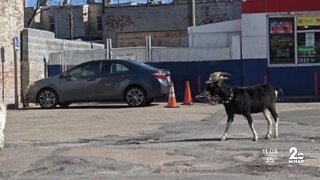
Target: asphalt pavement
x=98 y=141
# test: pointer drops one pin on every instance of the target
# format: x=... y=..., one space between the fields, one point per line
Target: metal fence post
x=106 y=54
x=45 y=63
x=109 y=48
x=148 y=48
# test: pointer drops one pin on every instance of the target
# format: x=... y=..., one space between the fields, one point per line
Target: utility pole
x=71 y=25
x=2 y=70
x=103 y=5
x=192 y=12
x=16 y=43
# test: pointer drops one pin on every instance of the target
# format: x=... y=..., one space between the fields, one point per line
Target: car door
x=113 y=78
x=78 y=84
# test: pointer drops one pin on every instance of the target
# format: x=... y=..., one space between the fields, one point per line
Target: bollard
x=315 y=83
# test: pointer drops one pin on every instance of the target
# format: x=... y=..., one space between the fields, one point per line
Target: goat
x=244 y=101
x=3 y=114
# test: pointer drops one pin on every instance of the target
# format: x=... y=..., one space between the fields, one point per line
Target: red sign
x=281 y=27
x=267 y=6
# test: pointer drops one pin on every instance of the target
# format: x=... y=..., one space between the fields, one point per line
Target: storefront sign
x=309 y=21
x=278 y=26
x=310 y=39
x=306 y=51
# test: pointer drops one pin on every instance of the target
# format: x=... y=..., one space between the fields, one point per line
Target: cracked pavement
x=114 y=141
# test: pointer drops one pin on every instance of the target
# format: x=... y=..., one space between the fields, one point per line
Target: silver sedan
x=130 y=81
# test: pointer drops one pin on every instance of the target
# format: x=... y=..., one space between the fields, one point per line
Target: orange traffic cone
x=187 y=100
x=172 y=103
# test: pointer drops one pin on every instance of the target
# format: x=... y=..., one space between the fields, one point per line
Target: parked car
x=130 y=81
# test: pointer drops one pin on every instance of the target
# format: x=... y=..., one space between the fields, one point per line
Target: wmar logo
x=296 y=157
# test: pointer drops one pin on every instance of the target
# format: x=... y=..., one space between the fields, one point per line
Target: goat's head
x=215 y=82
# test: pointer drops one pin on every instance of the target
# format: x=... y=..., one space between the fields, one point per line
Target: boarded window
x=51 y=24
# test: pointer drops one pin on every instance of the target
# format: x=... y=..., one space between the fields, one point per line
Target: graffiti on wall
x=118 y=23
x=208 y=17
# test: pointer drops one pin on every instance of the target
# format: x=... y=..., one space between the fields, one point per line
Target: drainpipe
x=192 y=12
x=71 y=25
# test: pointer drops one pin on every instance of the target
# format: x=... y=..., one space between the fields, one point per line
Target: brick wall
x=11 y=25
x=164 y=18
x=135 y=39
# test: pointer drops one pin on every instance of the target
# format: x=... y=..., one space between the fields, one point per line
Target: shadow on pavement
x=94 y=106
x=202 y=140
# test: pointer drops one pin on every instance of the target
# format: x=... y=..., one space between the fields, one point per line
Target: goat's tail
x=3 y=108
x=279 y=92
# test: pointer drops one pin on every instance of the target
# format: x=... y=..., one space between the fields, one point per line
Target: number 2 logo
x=294 y=154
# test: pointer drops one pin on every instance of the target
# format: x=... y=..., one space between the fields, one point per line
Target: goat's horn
x=224 y=73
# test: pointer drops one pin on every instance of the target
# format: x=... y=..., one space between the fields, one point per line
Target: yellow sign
x=309 y=21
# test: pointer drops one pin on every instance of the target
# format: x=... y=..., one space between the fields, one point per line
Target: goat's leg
x=250 y=122
x=229 y=122
x=276 y=119
x=267 y=115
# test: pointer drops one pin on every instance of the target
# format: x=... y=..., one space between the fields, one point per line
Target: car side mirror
x=66 y=76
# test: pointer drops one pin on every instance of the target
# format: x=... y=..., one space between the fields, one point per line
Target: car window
x=117 y=68
x=84 y=70
x=113 y=68
x=105 y=68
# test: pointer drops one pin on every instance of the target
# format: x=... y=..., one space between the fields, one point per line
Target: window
x=105 y=68
x=308 y=39
x=112 y=68
x=281 y=40
x=84 y=70
x=294 y=40
x=51 y=23
x=117 y=68
x=99 y=22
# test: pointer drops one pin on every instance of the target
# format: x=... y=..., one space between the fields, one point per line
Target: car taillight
x=159 y=76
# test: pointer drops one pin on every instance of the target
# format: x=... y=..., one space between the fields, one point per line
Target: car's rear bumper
x=165 y=88
x=161 y=90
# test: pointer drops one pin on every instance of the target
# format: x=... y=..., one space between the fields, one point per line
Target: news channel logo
x=274 y=155
x=296 y=156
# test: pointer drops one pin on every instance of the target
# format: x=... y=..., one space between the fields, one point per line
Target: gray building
x=69 y=22
x=128 y=24
x=166 y=23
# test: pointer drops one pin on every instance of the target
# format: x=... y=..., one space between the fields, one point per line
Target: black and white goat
x=244 y=101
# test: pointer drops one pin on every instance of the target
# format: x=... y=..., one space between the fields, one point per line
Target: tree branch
x=36 y=11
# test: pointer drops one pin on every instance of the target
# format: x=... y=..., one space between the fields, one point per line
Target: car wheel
x=47 y=98
x=64 y=105
x=135 y=97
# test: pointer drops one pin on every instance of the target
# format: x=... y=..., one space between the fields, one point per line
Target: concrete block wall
x=37 y=45
x=11 y=25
